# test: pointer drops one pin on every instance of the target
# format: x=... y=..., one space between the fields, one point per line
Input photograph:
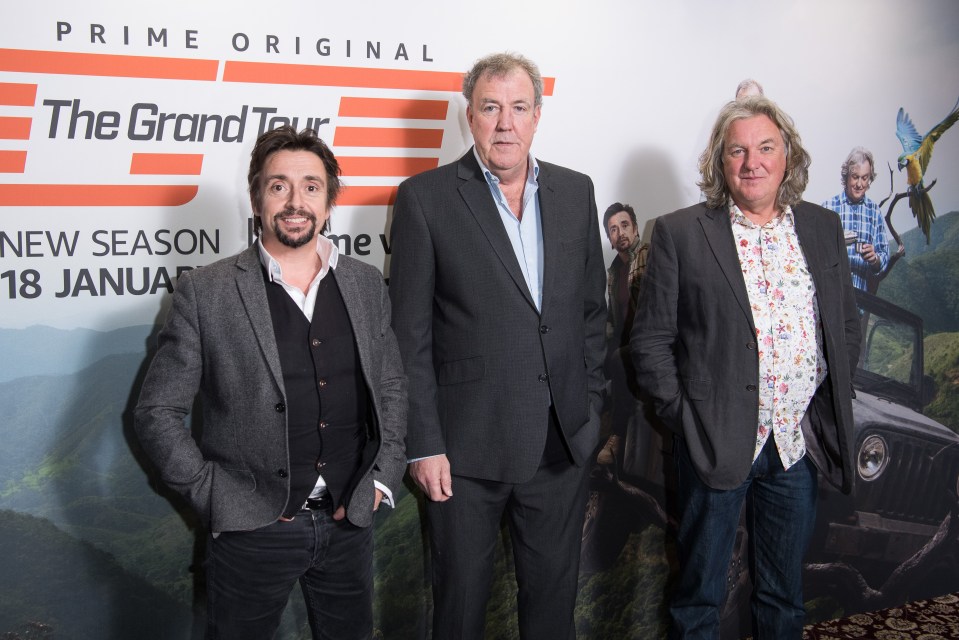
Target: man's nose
x=295 y=199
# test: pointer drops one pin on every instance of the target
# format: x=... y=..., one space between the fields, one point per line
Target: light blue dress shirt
x=526 y=233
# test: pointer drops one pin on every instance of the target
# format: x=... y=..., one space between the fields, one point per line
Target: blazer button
x=280 y=407
x=324 y=425
x=281 y=473
x=544 y=329
x=750 y=387
x=543 y=377
x=320 y=465
x=316 y=342
x=750 y=345
x=322 y=383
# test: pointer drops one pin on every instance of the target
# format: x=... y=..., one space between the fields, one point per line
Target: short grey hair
x=498 y=65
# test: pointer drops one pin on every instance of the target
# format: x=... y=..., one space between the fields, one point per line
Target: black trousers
x=545 y=517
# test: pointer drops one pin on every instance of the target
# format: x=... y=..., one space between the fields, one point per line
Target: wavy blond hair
x=713 y=182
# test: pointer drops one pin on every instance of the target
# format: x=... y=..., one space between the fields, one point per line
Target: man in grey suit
x=290 y=348
x=497 y=284
x=745 y=338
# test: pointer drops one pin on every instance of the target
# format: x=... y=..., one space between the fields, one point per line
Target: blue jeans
x=779 y=523
x=250 y=575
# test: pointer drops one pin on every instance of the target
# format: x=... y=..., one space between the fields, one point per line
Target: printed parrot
x=916 y=152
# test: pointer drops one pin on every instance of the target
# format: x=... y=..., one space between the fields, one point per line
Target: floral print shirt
x=786 y=316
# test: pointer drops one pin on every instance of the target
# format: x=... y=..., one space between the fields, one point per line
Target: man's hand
x=340 y=513
x=869 y=254
x=432 y=475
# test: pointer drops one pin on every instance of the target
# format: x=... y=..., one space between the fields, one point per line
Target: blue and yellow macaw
x=916 y=152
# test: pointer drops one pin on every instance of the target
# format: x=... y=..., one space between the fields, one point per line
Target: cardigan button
x=280 y=407
x=281 y=473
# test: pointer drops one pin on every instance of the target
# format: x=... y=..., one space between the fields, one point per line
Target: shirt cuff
x=412 y=460
x=387 y=494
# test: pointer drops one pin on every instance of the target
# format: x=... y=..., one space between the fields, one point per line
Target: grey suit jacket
x=694 y=343
x=218 y=340
x=483 y=363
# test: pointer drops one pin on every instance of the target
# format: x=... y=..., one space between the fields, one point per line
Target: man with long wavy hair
x=745 y=338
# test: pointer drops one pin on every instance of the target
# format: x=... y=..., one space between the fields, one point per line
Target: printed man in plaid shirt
x=868 y=251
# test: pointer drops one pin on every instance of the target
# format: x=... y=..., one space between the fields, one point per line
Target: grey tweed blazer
x=218 y=341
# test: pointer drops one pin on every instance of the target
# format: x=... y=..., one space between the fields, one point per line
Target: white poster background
x=637 y=86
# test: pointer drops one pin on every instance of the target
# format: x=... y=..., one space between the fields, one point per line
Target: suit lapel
x=349 y=288
x=549 y=208
x=476 y=194
x=722 y=243
x=249 y=283
x=809 y=245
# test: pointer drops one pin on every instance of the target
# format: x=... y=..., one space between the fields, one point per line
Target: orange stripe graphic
x=367 y=196
x=305 y=74
x=316 y=75
x=393 y=108
x=95 y=195
x=388 y=137
x=402 y=167
x=15 y=94
x=13 y=161
x=12 y=128
x=168 y=164
x=97 y=64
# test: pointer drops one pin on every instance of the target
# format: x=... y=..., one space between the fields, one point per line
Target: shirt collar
x=325 y=249
x=532 y=176
x=844 y=199
x=736 y=216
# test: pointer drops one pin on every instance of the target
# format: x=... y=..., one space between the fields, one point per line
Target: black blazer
x=694 y=343
x=483 y=363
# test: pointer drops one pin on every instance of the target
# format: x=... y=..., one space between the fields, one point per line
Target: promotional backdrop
x=125 y=137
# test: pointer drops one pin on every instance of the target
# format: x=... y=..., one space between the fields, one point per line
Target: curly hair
x=858 y=155
x=286 y=138
x=497 y=65
x=713 y=182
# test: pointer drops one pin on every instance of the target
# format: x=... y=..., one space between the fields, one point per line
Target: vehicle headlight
x=873 y=457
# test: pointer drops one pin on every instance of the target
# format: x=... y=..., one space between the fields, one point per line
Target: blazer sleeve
x=412 y=282
x=656 y=329
x=166 y=398
x=595 y=309
x=390 y=463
